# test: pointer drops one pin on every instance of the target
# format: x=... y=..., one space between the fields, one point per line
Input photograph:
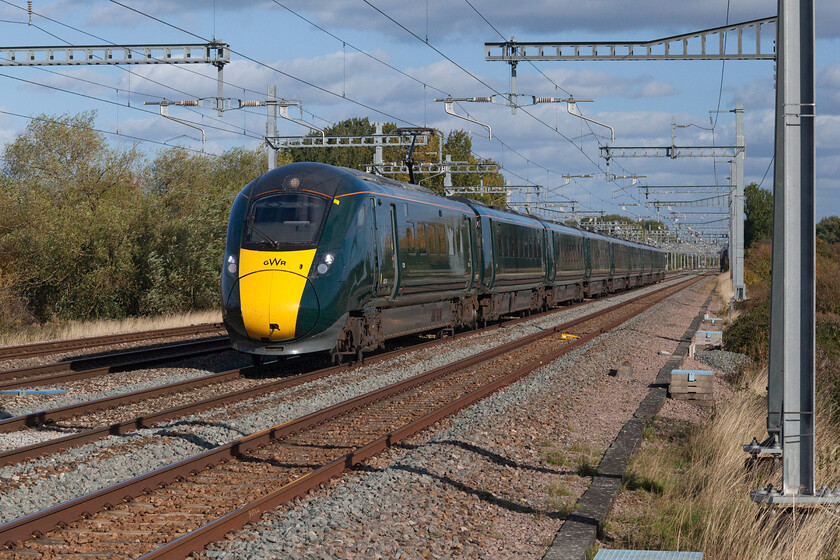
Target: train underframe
x=368 y=330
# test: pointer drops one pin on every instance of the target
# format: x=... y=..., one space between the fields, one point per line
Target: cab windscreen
x=284 y=221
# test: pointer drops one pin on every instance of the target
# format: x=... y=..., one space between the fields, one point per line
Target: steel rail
x=72 y=369
x=40 y=522
x=217 y=529
x=146 y=421
x=58 y=346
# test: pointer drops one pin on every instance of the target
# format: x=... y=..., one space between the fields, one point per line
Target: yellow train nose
x=271 y=287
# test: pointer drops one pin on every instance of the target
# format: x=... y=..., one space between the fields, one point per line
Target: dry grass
x=722 y=295
x=67 y=330
x=701 y=500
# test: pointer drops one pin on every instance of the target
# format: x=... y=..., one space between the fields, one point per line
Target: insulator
x=189 y=103
x=481 y=99
x=249 y=103
x=544 y=100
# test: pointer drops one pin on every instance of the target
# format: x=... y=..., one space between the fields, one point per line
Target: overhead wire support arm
x=449 y=102
x=283 y=108
x=164 y=112
x=573 y=109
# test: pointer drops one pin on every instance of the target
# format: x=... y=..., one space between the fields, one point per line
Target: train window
x=409 y=238
x=442 y=240
x=421 y=238
x=450 y=240
x=284 y=219
x=431 y=239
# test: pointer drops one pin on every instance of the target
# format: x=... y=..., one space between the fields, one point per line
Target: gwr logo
x=274 y=262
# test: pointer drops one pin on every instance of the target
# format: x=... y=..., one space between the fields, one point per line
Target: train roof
x=325 y=179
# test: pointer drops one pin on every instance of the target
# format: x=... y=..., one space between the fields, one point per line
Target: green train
x=327 y=259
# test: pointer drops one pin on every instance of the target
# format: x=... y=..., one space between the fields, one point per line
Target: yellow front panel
x=270 y=287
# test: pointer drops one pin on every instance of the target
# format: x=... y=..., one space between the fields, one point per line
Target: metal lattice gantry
x=736 y=154
x=362 y=141
x=396 y=168
x=683 y=189
x=710 y=202
x=673 y=152
x=708 y=44
x=215 y=53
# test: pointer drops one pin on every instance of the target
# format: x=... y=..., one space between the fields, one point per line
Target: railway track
x=222 y=489
x=59 y=346
x=80 y=368
x=121 y=423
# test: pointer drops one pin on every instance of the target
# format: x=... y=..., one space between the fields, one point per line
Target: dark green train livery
x=321 y=258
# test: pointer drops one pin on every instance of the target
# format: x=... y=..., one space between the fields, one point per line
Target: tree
x=758 y=214
x=190 y=199
x=355 y=158
x=457 y=145
x=73 y=235
x=828 y=229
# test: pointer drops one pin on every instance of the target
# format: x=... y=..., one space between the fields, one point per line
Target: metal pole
x=377 y=152
x=733 y=230
x=447 y=178
x=221 y=82
x=738 y=280
x=797 y=22
x=271 y=125
x=775 y=378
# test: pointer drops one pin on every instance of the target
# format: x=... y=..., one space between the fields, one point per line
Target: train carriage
x=320 y=258
x=621 y=264
x=567 y=264
x=598 y=265
x=512 y=262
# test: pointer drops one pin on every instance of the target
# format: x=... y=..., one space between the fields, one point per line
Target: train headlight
x=231 y=265
x=324 y=266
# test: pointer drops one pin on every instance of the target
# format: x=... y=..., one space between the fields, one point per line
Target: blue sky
x=437 y=48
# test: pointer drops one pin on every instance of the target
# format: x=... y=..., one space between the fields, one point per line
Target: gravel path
x=496 y=480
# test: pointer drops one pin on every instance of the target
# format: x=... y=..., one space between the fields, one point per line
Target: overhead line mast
x=791 y=386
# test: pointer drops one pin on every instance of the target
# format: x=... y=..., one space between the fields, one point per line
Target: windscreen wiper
x=267 y=238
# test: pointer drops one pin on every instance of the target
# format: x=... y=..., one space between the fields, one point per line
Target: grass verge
x=78 y=329
x=688 y=489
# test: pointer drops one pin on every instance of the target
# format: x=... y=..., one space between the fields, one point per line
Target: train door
x=468 y=242
x=587 y=258
x=373 y=240
x=491 y=264
x=384 y=249
x=395 y=254
x=549 y=255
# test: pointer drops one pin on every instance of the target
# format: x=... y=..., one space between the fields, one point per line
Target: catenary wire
x=320 y=88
